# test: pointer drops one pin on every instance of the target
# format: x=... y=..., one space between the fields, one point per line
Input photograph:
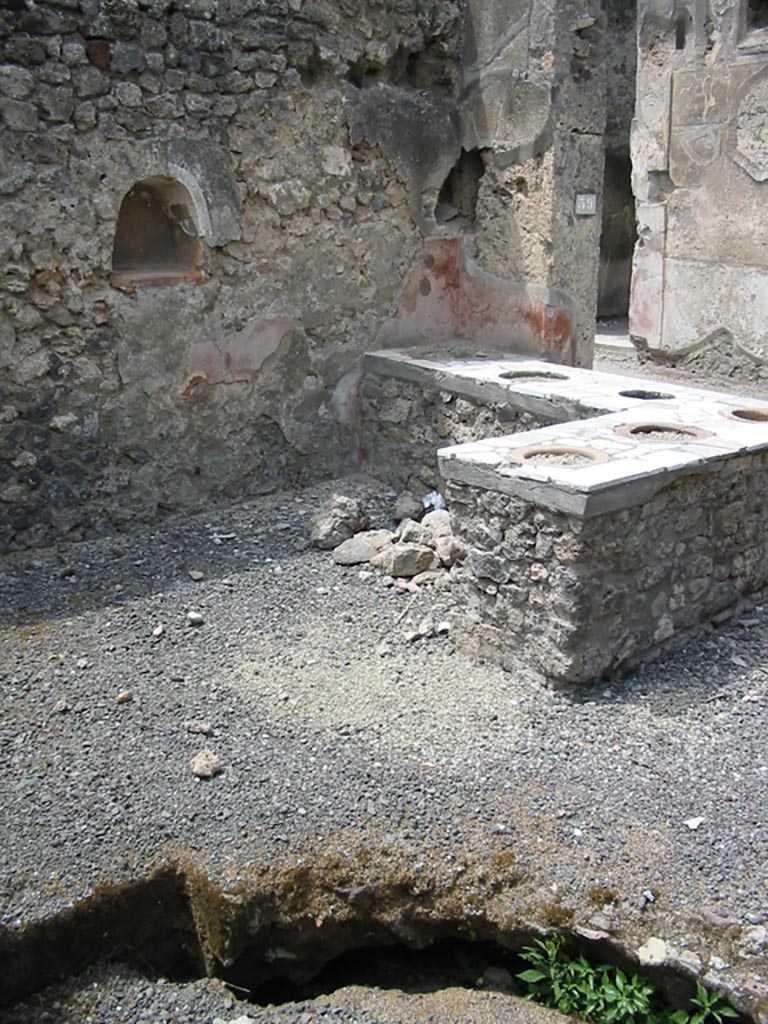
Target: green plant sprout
x=604 y=994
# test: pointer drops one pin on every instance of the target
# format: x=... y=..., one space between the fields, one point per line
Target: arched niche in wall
x=157 y=240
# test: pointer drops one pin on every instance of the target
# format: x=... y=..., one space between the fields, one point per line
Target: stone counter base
x=576 y=599
x=405 y=423
x=605 y=519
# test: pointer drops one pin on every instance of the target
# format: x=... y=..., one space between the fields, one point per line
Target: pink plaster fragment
x=205 y=364
x=248 y=350
x=429 y=301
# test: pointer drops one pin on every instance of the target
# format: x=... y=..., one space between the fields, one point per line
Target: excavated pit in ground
x=180 y=925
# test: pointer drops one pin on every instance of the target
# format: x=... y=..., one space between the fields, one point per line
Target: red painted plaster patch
x=248 y=350
x=440 y=301
x=192 y=384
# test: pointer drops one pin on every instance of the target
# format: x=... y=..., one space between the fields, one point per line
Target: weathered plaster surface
x=444 y=298
x=700 y=166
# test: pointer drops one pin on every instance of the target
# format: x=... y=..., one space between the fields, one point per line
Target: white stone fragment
x=205 y=765
x=653 y=952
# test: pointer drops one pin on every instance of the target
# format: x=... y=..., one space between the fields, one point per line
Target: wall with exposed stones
x=292 y=157
x=700 y=173
x=578 y=598
x=541 y=142
x=414 y=404
x=405 y=424
x=118 y=401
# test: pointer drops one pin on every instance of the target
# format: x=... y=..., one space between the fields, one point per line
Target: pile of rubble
x=419 y=551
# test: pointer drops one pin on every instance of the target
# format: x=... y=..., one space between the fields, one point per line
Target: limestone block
x=750 y=145
x=724 y=219
x=701 y=300
x=514 y=121
x=700 y=97
x=654 y=101
x=649 y=153
x=690 y=150
x=491 y=28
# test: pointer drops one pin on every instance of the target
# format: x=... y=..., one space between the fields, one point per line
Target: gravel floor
x=652 y=789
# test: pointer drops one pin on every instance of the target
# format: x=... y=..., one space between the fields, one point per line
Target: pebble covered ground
x=333 y=730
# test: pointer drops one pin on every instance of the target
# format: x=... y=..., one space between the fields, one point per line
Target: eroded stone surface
x=699 y=162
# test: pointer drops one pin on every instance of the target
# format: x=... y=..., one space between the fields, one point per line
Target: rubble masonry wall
x=405 y=424
x=579 y=598
x=116 y=403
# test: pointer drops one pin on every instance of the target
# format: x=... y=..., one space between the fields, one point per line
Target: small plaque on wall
x=586 y=204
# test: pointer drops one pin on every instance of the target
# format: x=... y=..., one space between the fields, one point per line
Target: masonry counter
x=598 y=543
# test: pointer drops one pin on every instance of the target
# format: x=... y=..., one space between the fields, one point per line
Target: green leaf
x=531 y=976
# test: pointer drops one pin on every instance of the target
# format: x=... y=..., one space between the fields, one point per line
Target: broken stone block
x=438 y=523
x=407 y=506
x=376 y=538
x=354 y=551
x=405 y=559
x=338 y=523
x=410 y=532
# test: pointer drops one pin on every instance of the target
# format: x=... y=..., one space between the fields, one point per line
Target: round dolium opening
x=532 y=375
x=751 y=415
x=649 y=396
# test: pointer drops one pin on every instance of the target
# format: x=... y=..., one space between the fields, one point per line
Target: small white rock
x=198 y=727
x=205 y=764
x=693 y=823
x=653 y=952
x=196 y=575
x=124 y=697
x=195 y=618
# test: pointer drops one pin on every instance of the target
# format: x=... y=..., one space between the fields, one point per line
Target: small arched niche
x=156 y=239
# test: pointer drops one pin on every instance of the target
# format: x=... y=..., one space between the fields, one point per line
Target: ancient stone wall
x=210 y=208
x=221 y=376
x=701 y=182
x=578 y=598
x=542 y=143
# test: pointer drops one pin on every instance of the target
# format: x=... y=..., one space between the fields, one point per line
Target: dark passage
x=617 y=237
x=457 y=201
